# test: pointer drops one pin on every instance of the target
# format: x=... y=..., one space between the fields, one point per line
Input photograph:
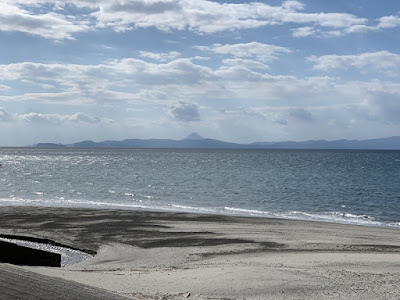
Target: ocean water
x=357 y=187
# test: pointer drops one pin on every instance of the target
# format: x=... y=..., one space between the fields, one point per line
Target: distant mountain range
x=194 y=140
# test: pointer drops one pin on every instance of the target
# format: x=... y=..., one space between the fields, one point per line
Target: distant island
x=196 y=141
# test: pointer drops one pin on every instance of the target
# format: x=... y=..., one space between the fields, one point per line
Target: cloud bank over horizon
x=237 y=71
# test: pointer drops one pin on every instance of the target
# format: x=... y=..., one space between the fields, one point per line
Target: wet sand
x=151 y=255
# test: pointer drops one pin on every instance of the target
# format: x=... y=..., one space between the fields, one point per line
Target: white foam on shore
x=250 y=212
x=333 y=217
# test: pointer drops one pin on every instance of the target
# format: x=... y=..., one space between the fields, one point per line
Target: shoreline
x=327 y=217
x=148 y=255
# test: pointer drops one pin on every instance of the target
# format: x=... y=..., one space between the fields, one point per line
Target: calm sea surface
x=360 y=187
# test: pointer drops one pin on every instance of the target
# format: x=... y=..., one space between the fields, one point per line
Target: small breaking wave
x=247 y=212
x=191 y=209
x=332 y=217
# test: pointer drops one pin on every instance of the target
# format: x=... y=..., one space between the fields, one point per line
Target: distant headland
x=195 y=141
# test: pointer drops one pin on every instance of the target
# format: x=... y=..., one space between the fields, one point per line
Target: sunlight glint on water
x=360 y=187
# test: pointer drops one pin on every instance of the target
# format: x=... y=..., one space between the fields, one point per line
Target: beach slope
x=152 y=255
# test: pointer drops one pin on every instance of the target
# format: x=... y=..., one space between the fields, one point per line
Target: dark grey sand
x=151 y=255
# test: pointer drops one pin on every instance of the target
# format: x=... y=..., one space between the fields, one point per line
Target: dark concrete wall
x=19 y=255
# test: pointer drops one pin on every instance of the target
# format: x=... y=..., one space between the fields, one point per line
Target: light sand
x=145 y=255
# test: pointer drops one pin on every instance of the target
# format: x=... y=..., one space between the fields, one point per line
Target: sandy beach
x=153 y=255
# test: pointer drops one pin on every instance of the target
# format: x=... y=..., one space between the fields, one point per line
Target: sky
x=238 y=71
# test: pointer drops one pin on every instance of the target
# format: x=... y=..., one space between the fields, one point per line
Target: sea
x=341 y=186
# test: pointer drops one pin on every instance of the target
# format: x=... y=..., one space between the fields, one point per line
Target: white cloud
x=383 y=23
x=304 y=31
x=384 y=106
x=136 y=81
x=256 y=50
x=39 y=118
x=334 y=20
x=52 y=20
x=110 y=82
x=389 y=22
x=292 y=5
x=185 y=112
x=371 y=115
x=4 y=87
x=246 y=63
x=162 y=57
x=382 y=61
x=48 y=25
x=5 y=116
x=301 y=114
x=340 y=23
x=56 y=119
x=200 y=16
x=182 y=89
x=82 y=118
x=360 y=28
x=76 y=84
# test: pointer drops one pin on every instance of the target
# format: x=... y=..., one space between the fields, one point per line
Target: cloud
x=384 y=106
x=39 y=118
x=48 y=25
x=199 y=16
x=4 y=115
x=51 y=19
x=333 y=20
x=341 y=24
x=142 y=7
x=301 y=114
x=304 y=31
x=119 y=80
x=383 y=23
x=234 y=100
x=185 y=112
x=136 y=81
x=256 y=50
x=209 y=16
x=307 y=107
x=388 y=22
x=4 y=87
x=56 y=119
x=245 y=63
x=382 y=61
x=82 y=118
x=162 y=57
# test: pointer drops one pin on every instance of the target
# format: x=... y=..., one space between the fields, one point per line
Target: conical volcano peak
x=194 y=136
